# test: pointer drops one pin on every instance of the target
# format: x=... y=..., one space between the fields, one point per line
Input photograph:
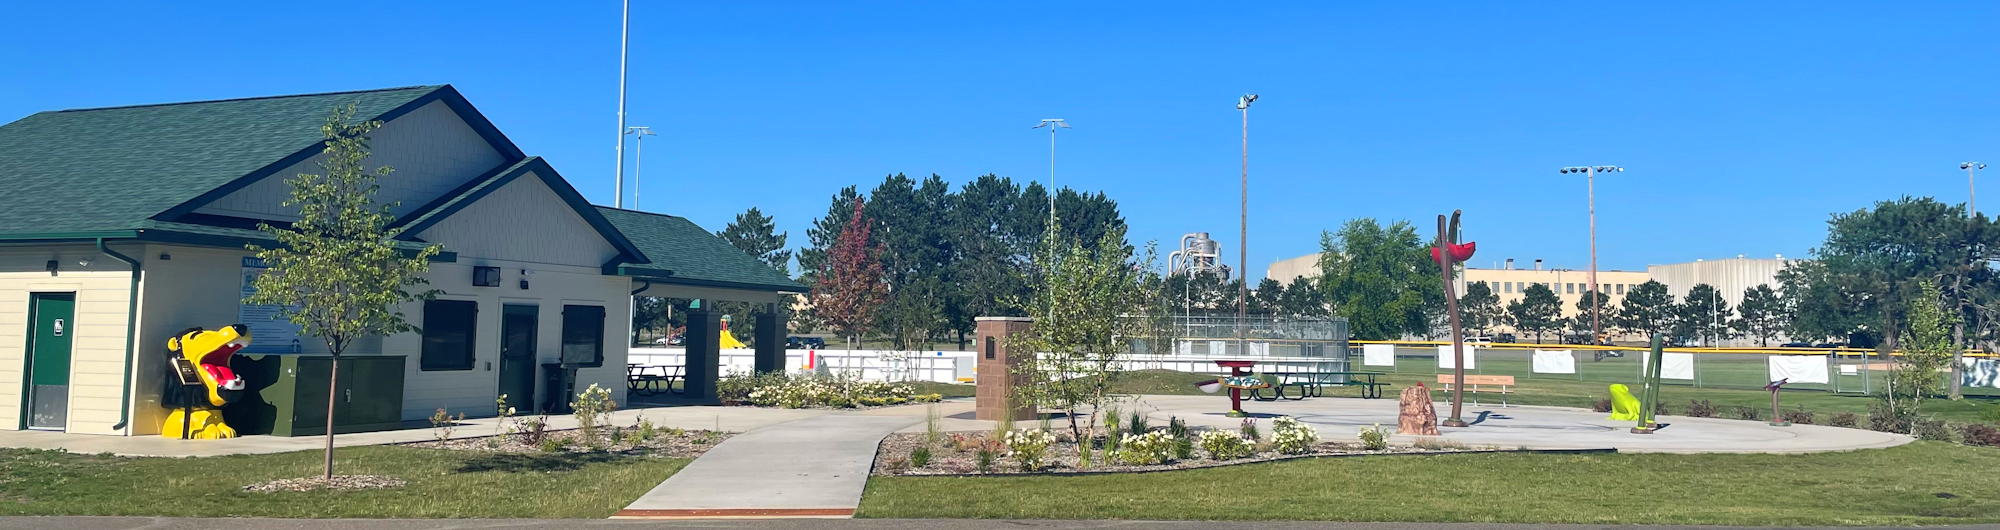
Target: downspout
x=131 y=330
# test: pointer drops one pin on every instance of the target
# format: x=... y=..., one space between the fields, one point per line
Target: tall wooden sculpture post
x=1447 y=253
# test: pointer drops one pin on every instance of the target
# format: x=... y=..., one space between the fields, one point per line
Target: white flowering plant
x=812 y=390
x=1146 y=449
x=1292 y=436
x=1224 y=445
x=1029 y=447
x=1375 y=438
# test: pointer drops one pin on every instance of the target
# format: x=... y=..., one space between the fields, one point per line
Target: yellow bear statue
x=199 y=381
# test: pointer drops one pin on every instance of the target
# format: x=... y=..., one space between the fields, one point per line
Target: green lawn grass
x=442 y=484
x=1895 y=486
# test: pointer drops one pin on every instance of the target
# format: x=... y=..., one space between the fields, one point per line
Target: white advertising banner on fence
x=1554 y=362
x=1378 y=354
x=1984 y=373
x=1445 y=358
x=1681 y=366
x=1798 y=368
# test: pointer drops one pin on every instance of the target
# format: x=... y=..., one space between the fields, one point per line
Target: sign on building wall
x=269 y=332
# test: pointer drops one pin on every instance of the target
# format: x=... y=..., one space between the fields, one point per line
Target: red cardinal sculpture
x=1459 y=252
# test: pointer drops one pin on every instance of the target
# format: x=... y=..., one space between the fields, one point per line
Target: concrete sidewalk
x=731 y=419
x=811 y=468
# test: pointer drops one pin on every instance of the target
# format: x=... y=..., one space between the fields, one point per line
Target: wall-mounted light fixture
x=52 y=267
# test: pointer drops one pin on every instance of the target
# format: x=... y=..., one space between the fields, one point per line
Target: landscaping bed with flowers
x=807 y=390
x=1133 y=446
x=594 y=433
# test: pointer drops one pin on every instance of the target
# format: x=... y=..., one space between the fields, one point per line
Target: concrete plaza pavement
x=1494 y=426
x=151 y=523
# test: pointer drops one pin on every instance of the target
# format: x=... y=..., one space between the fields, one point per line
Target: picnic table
x=1312 y=384
x=641 y=382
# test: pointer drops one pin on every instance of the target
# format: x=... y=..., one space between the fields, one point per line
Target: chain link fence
x=1847 y=372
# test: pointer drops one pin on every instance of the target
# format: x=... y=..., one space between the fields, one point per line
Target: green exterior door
x=53 y=316
x=517 y=355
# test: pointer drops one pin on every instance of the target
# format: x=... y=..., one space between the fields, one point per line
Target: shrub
x=1844 y=419
x=443 y=424
x=1138 y=423
x=1293 y=437
x=815 y=390
x=532 y=430
x=1885 y=419
x=1660 y=409
x=1029 y=447
x=1250 y=429
x=1799 y=416
x=554 y=445
x=1933 y=430
x=591 y=406
x=920 y=456
x=1224 y=445
x=1145 y=449
x=1978 y=434
x=647 y=431
x=896 y=464
x=1602 y=405
x=1375 y=438
x=1700 y=408
x=1745 y=413
x=1183 y=440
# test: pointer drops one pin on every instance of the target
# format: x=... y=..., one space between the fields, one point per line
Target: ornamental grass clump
x=1292 y=436
x=1224 y=445
x=1145 y=449
x=1029 y=447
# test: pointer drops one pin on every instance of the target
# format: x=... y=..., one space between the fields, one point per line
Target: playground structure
x=199 y=381
x=1447 y=253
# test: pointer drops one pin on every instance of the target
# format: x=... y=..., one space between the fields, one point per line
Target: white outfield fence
x=959 y=366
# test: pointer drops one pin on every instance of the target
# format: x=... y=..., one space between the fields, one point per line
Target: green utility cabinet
x=285 y=394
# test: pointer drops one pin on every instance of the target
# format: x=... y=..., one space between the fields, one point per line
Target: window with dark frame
x=449 y=330
x=583 y=335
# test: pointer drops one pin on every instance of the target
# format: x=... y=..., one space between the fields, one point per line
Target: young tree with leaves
x=1088 y=307
x=850 y=282
x=337 y=271
x=1928 y=350
x=1760 y=315
x=1538 y=311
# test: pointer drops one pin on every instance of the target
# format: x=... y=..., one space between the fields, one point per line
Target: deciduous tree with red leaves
x=851 y=283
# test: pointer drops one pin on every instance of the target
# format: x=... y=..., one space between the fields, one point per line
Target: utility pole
x=1243 y=235
x=1958 y=283
x=638 y=158
x=1052 y=124
x=1590 y=177
x=624 y=42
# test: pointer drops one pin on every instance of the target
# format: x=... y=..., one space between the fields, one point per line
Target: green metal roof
x=113 y=168
x=682 y=252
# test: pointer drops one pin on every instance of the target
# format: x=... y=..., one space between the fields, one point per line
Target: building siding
x=98 y=351
x=431 y=150
x=523 y=221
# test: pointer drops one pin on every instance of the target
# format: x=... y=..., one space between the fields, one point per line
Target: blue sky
x=1742 y=125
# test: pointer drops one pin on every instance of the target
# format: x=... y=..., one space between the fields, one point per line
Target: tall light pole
x=1957 y=284
x=1243 y=234
x=1590 y=173
x=638 y=158
x=1052 y=124
x=624 y=41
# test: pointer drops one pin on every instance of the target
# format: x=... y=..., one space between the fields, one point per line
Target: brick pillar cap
x=1003 y=319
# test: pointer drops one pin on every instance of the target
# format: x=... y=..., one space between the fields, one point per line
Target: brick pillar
x=997 y=368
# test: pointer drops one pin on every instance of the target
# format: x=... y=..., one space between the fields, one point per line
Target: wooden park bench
x=1473 y=383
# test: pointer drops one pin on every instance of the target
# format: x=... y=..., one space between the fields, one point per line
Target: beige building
x=1507 y=282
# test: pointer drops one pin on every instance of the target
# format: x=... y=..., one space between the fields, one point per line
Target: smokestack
x=1510 y=264
x=1538 y=264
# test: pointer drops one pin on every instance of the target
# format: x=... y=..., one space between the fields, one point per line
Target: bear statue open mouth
x=216 y=363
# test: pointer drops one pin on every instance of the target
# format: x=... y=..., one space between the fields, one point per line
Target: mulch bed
x=338 y=482
x=668 y=443
x=948 y=458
